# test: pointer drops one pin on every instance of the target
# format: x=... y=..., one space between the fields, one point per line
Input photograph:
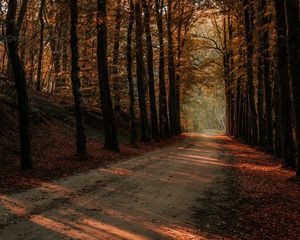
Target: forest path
x=179 y=192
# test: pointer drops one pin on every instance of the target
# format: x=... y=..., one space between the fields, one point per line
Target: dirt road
x=180 y=192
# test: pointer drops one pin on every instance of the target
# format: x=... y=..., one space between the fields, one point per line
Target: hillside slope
x=53 y=141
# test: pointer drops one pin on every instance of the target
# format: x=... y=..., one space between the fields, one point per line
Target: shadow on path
x=185 y=191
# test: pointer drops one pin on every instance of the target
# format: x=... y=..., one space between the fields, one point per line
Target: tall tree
x=133 y=133
x=140 y=72
x=230 y=74
x=260 y=74
x=171 y=69
x=163 y=111
x=22 y=14
x=41 y=50
x=226 y=75
x=12 y=34
x=116 y=47
x=248 y=18
x=110 y=131
x=284 y=86
x=150 y=65
x=80 y=130
x=266 y=74
x=293 y=33
x=183 y=22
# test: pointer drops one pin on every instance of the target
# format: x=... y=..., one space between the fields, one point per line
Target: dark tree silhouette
x=283 y=84
x=12 y=34
x=41 y=50
x=116 y=47
x=133 y=133
x=150 y=65
x=140 y=73
x=293 y=34
x=248 y=18
x=110 y=131
x=163 y=111
x=171 y=69
x=80 y=130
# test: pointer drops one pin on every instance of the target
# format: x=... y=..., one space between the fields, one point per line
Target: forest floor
x=54 y=142
x=203 y=187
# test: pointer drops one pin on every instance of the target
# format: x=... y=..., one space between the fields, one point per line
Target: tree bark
x=20 y=83
x=293 y=30
x=110 y=131
x=284 y=86
x=140 y=72
x=116 y=79
x=133 y=133
x=237 y=107
x=22 y=14
x=230 y=75
x=266 y=76
x=41 y=50
x=276 y=117
x=55 y=44
x=248 y=18
x=260 y=76
x=226 y=76
x=80 y=130
x=171 y=69
x=163 y=111
x=150 y=65
x=177 y=80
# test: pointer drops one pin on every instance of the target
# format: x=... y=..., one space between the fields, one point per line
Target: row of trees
x=37 y=46
x=261 y=66
x=203 y=95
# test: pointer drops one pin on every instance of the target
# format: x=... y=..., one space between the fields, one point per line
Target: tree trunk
x=230 y=75
x=140 y=72
x=226 y=77
x=171 y=69
x=267 y=83
x=284 y=86
x=260 y=76
x=276 y=117
x=246 y=126
x=237 y=108
x=260 y=103
x=21 y=16
x=177 y=80
x=163 y=111
x=116 y=78
x=133 y=133
x=239 y=90
x=248 y=18
x=80 y=130
x=41 y=50
x=153 y=110
x=64 y=57
x=5 y=44
x=110 y=131
x=20 y=83
x=55 y=41
x=292 y=16
x=88 y=49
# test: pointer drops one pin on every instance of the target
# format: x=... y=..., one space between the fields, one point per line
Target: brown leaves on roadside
x=271 y=200
x=54 y=156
